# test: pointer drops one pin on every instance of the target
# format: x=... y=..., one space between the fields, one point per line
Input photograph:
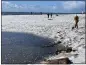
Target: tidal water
x=24 y=48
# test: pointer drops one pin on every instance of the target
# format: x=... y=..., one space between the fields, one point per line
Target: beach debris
x=61 y=60
x=56 y=14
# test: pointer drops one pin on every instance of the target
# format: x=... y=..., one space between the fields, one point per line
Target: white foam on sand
x=58 y=29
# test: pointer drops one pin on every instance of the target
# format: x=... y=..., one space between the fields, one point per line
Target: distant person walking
x=51 y=15
x=76 y=18
x=48 y=15
x=31 y=13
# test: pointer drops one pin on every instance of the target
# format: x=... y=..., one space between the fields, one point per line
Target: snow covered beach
x=38 y=30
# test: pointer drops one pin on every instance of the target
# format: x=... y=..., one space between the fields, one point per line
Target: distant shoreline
x=33 y=13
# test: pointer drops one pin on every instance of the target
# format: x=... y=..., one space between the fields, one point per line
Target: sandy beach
x=21 y=33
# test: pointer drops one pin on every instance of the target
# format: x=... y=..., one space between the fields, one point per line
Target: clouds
x=70 y=5
x=55 y=6
x=7 y=4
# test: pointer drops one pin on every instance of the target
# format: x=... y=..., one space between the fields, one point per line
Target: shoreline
x=58 y=29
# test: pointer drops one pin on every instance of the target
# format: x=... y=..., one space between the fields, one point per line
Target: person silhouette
x=76 y=18
x=48 y=15
x=51 y=15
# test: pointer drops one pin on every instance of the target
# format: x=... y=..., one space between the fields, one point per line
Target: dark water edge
x=24 y=48
x=32 y=13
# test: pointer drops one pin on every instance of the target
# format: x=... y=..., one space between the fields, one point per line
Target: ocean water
x=34 y=13
x=24 y=48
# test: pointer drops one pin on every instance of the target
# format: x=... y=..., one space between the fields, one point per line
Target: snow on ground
x=59 y=28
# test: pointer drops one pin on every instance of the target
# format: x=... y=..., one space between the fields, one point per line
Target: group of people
x=50 y=15
x=76 y=18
